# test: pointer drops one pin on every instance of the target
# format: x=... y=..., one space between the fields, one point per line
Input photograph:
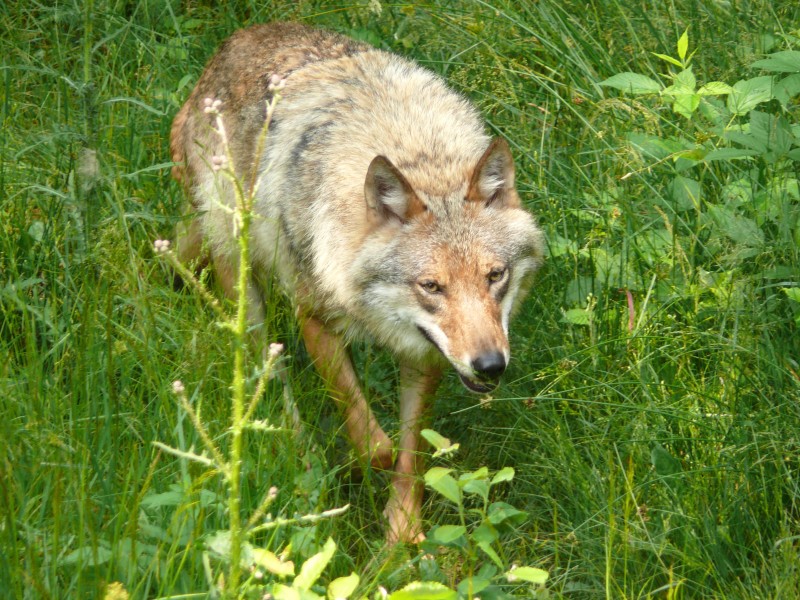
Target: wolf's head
x=446 y=272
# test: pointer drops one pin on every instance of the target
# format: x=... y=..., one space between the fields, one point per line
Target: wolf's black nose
x=490 y=365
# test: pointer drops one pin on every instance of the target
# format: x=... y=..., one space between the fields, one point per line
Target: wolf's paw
x=404 y=523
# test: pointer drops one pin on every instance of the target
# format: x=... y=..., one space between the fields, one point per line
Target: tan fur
x=382 y=206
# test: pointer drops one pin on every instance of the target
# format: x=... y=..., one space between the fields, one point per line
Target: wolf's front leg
x=333 y=362
x=403 y=511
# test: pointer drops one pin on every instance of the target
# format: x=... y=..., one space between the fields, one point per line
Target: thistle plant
x=246 y=563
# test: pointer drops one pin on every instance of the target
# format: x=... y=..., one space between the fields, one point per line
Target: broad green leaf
x=685 y=80
x=447 y=534
x=440 y=480
x=715 y=88
x=489 y=551
x=633 y=83
x=87 y=557
x=685 y=192
x=683 y=44
x=665 y=464
x=269 y=561
x=730 y=154
x=686 y=104
x=504 y=474
x=485 y=534
x=436 y=440
x=284 y=592
x=742 y=230
x=472 y=585
x=220 y=544
x=314 y=566
x=792 y=293
x=502 y=511
x=429 y=590
x=577 y=316
x=171 y=498
x=481 y=473
x=787 y=88
x=341 y=588
x=529 y=574
x=787 y=61
x=669 y=59
x=479 y=487
x=749 y=93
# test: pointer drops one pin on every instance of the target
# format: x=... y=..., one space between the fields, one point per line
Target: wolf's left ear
x=493 y=179
x=389 y=195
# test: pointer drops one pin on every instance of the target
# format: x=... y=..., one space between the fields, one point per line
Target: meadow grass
x=655 y=443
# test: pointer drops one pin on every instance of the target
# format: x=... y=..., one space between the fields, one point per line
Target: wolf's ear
x=493 y=179
x=389 y=195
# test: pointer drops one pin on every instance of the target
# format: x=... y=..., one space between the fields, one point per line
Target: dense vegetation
x=652 y=409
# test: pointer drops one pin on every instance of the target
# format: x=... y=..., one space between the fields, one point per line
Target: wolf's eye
x=496 y=275
x=431 y=287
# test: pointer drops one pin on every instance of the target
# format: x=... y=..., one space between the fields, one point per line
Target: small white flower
x=161 y=246
x=218 y=162
x=276 y=83
x=177 y=386
x=275 y=350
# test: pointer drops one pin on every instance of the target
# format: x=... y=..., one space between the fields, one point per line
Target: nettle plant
x=716 y=196
x=476 y=541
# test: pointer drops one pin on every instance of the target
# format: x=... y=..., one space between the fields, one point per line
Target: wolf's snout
x=490 y=365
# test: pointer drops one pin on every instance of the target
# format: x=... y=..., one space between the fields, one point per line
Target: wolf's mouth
x=478 y=386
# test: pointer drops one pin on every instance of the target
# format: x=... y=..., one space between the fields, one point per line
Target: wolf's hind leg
x=403 y=511
x=333 y=362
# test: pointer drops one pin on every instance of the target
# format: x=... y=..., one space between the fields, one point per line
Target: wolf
x=383 y=208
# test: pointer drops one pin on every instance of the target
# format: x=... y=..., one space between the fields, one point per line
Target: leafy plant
x=477 y=539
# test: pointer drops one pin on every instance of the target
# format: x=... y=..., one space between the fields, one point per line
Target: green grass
x=653 y=461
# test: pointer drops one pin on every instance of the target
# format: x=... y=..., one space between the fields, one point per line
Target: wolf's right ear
x=493 y=179
x=389 y=195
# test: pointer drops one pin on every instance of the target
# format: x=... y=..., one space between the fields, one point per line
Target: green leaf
x=685 y=80
x=715 y=88
x=664 y=463
x=219 y=543
x=485 y=534
x=740 y=229
x=479 y=487
x=749 y=93
x=529 y=574
x=686 y=104
x=314 y=566
x=577 y=316
x=87 y=556
x=472 y=585
x=685 y=192
x=504 y=474
x=792 y=293
x=441 y=443
x=447 y=534
x=284 y=592
x=502 y=511
x=342 y=587
x=481 y=473
x=489 y=551
x=632 y=83
x=440 y=480
x=730 y=154
x=787 y=61
x=669 y=59
x=683 y=44
x=269 y=561
x=430 y=590
x=787 y=88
